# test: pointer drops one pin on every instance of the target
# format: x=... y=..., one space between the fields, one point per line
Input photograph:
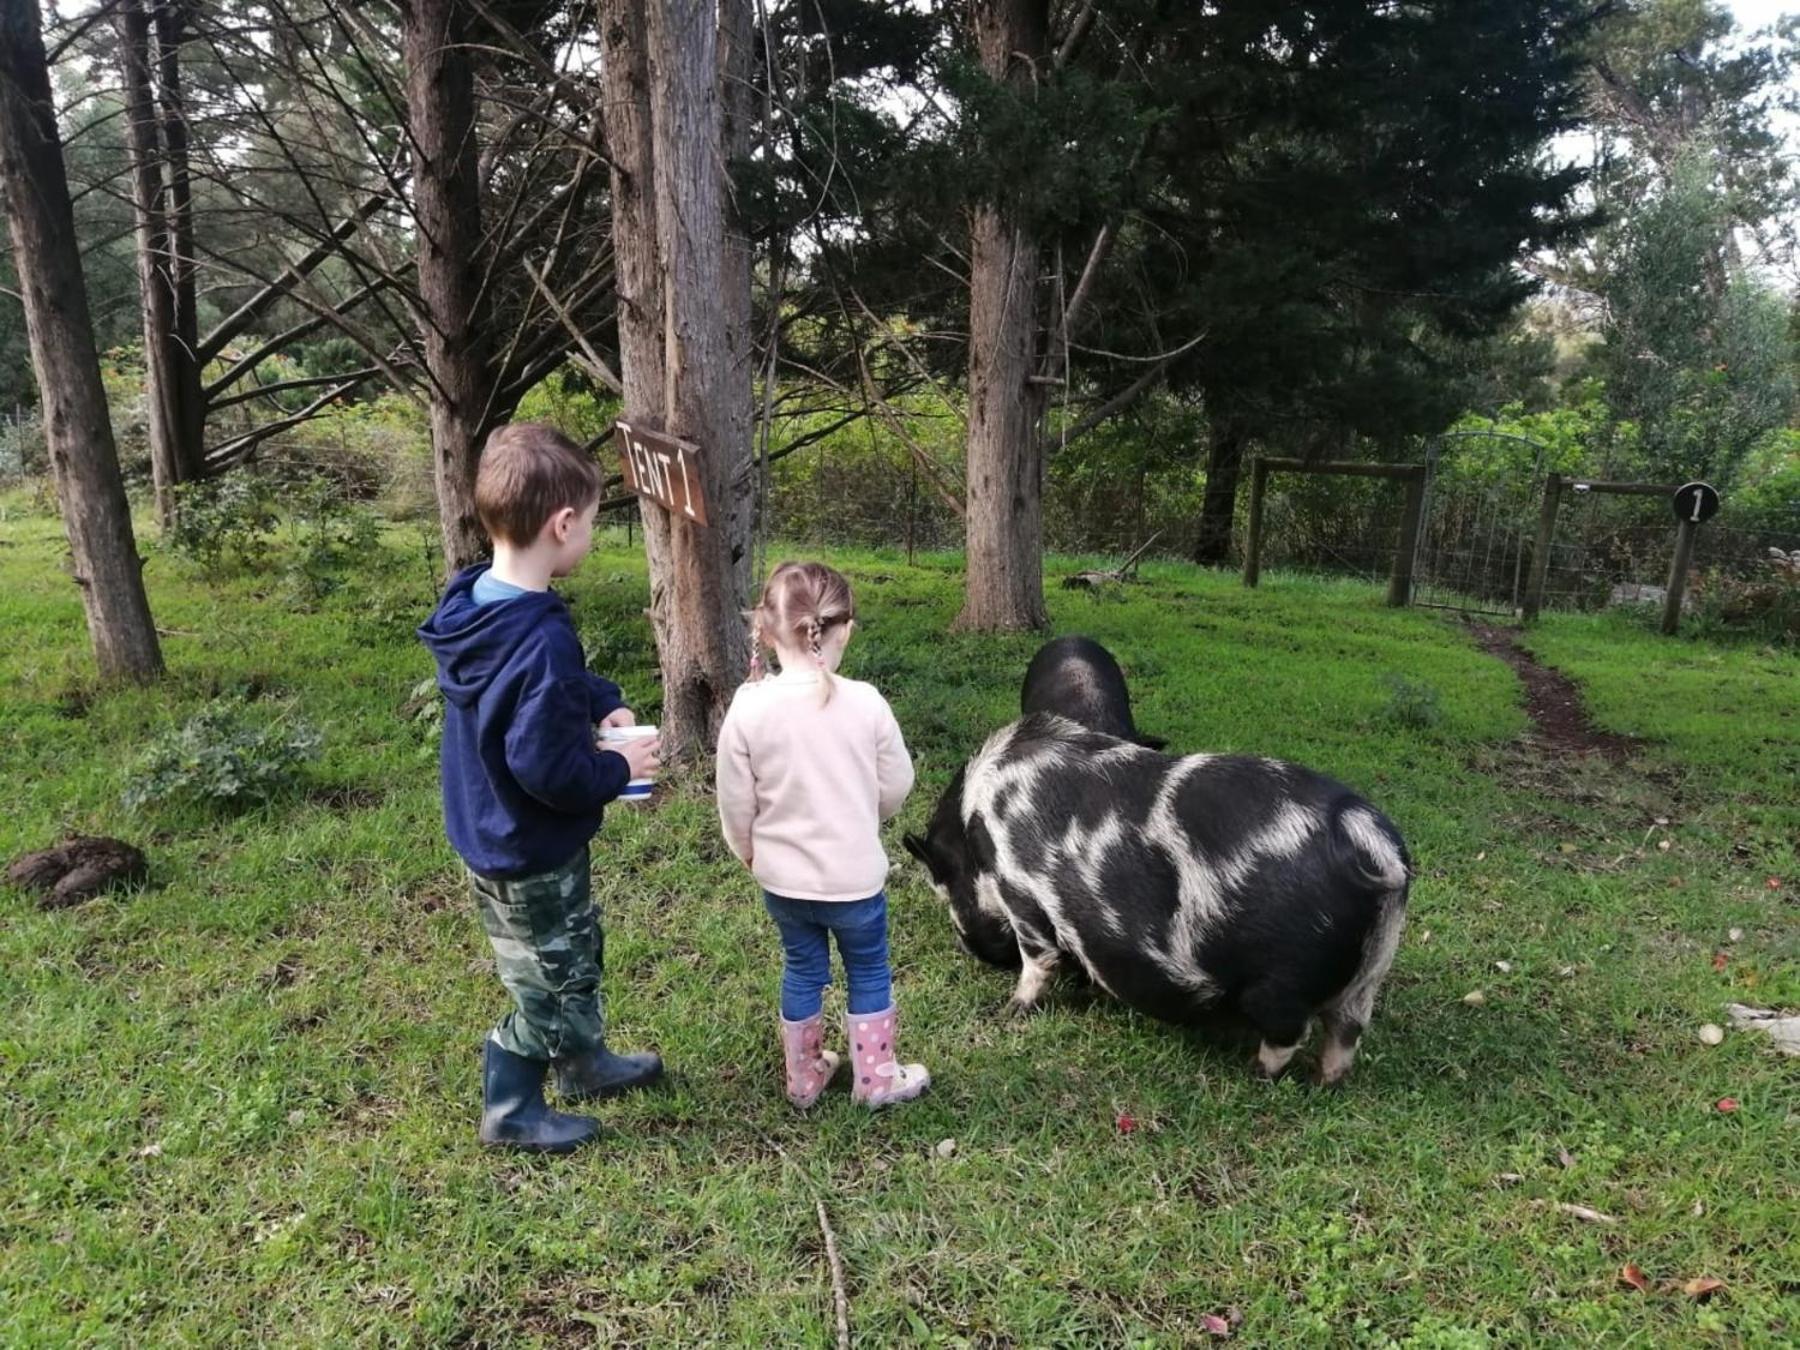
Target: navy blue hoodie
x=524 y=787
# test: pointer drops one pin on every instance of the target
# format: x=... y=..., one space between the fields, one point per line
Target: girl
x=810 y=764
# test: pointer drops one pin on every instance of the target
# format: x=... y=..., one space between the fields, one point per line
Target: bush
x=1412 y=703
x=329 y=533
x=1765 y=606
x=223 y=757
x=224 y=523
x=375 y=450
x=423 y=711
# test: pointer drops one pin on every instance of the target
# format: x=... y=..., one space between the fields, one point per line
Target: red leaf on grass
x=1773 y=883
x=1217 y=1325
x=1720 y=960
x=1703 y=1287
x=1634 y=1277
x=1125 y=1123
x=1726 y=1104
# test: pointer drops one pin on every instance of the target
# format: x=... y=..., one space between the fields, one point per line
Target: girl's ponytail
x=756 y=643
x=801 y=602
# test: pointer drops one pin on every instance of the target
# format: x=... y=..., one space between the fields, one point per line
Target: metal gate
x=1474 y=542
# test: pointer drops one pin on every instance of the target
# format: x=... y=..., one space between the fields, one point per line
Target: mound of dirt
x=77 y=869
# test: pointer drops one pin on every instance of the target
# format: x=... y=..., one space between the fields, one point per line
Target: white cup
x=637 y=791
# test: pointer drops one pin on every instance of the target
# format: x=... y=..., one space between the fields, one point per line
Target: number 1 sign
x=664 y=469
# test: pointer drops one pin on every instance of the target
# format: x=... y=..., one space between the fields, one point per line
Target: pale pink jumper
x=803 y=789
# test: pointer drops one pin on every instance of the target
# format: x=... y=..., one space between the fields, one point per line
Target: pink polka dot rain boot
x=809 y=1065
x=880 y=1080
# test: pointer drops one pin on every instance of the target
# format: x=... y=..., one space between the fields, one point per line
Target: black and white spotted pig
x=1077 y=678
x=1180 y=885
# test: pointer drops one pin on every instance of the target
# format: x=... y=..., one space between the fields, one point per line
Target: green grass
x=240 y=1103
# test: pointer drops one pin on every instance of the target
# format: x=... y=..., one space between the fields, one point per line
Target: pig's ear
x=1153 y=742
x=918 y=848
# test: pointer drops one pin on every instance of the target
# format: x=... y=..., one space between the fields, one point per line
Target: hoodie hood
x=473 y=643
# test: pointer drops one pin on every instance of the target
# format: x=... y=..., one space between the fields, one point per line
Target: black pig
x=1077 y=678
x=1180 y=885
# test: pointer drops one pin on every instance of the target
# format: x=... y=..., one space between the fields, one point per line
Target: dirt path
x=1559 y=722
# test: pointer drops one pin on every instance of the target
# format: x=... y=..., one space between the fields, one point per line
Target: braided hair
x=800 y=605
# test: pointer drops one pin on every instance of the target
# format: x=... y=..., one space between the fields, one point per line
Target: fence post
x=1400 y=583
x=1678 y=571
x=1540 y=548
x=1259 y=476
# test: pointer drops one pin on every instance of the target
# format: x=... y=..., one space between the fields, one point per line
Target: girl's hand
x=619 y=717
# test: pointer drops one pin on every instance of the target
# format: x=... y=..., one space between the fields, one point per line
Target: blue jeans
x=806 y=927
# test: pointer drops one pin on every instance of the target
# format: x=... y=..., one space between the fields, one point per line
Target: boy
x=524 y=785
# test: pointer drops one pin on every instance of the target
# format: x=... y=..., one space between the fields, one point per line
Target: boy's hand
x=642 y=755
x=619 y=717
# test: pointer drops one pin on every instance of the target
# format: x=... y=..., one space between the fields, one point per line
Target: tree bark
x=697 y=573
x=625 y=87
x=1004 y=583
x=84 y=461
x=737 y=93
x=156 y=288
x=182 y=344
x=440 y=107
x=1218 y=509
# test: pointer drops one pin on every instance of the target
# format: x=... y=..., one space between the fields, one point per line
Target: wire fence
x=1473 y=553
x=1328 y=526
x=1616 y=550
x=1477 y=536
x=21 y=445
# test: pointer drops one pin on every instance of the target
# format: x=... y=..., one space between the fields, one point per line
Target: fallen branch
x=1783 y=1030
x=1120 y=573
x=838 y=1296
x=1581 y=1212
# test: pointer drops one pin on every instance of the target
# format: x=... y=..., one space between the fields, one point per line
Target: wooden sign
x=1695 y=502
x=664 y=469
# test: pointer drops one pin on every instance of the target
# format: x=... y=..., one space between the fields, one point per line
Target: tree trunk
x=625 y=87
x=696 y=572
x=440 y=106
x=84 y=461
x=1218 y=509
x=187 y=405
x=155 y=283
x=737 y=91
x=1004 y=583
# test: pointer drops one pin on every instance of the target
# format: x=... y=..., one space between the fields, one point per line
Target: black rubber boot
x=513 y=1111
x=581 y=1078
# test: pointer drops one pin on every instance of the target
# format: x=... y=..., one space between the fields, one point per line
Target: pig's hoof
x=1018 y=1011
x=1328 y=1082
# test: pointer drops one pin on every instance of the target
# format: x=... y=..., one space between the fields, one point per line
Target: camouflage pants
x=548 y=948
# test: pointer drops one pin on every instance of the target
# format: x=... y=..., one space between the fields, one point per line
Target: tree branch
x=253 y=308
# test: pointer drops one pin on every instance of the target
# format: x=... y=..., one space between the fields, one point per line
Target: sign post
x=664 y=469
x=1693 y=503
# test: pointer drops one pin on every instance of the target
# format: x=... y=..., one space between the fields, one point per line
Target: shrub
x=223 y=757
x=330 y=533
x=224 y=523
x=1412 y=703
x=1765 y=606
x=423 y=711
